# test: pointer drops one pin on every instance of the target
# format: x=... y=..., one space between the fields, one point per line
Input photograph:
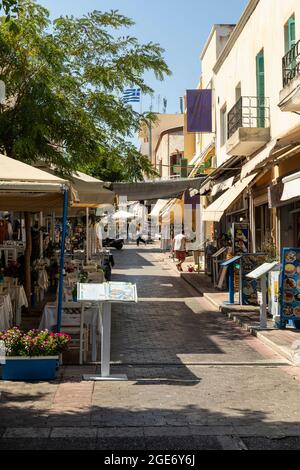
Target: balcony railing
x=249 y=111
x=291 y=64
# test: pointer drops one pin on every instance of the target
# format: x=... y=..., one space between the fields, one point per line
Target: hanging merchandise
x=290 y=287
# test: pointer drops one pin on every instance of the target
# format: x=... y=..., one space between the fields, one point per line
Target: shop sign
x=290 y=285
x=249 y=288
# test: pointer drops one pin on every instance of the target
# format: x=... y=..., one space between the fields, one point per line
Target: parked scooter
x=113 y=243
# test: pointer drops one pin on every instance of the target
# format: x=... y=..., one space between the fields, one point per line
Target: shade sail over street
x=90 y=191
x=162 y=189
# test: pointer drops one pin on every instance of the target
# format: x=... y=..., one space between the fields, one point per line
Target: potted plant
x=32 y=355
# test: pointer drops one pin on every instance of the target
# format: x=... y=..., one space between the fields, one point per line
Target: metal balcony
x=248 y=125
x=291 y=65
x=290 y=94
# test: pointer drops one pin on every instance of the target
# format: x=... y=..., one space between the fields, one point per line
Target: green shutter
x=291 y=32
x=260 y=81
x=184 y=168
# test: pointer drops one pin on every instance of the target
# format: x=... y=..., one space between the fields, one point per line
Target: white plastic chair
x=73 y=323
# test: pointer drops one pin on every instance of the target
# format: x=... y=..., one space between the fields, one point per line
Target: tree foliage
x=64 y=82
x=9 y=7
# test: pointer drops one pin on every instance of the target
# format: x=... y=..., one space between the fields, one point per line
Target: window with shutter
x=260 y=80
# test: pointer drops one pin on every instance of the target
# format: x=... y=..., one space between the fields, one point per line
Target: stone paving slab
x=196 y=380
x=280 y=341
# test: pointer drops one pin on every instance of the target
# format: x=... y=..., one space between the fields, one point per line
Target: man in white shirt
x=179 y=247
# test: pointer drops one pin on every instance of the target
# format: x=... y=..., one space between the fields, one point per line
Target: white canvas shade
x=159 y=206
x=215 y=211
x=123 y=215
x=91 y=192
x=29 y=189
x=291 y=188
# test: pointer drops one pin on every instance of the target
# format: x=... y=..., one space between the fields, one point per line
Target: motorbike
x=113 y=243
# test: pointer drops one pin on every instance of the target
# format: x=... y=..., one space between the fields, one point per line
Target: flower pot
x=30 y=368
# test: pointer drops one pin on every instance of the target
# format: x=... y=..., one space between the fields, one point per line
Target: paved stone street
x=196 y=380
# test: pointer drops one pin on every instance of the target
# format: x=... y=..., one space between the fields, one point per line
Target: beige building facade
x=253 y=154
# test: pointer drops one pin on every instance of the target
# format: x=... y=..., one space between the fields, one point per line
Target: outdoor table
x=91 y=318
x=6 y=312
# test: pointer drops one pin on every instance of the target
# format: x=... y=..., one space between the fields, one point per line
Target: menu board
x=290 y=284
x=240 y=238
x=121 y=292
x=107 y=291
x=248 y=287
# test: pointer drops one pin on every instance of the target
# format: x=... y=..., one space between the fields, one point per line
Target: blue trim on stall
x=62 y=262
x=230 y=265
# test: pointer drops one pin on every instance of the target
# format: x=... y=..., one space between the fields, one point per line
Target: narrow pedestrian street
x=196 y=380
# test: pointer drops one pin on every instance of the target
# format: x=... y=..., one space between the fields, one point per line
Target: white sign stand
x=105 y=314
x=260 y=273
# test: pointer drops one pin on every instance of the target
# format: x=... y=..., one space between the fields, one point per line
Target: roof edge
x=236 y=33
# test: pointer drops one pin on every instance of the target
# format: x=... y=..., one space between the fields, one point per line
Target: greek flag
x=132 y=95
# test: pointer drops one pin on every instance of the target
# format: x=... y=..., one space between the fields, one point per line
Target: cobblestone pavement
x=196 y=381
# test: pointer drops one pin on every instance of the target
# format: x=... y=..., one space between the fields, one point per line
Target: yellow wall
x=189 y=142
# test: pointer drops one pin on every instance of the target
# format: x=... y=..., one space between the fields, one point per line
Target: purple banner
x=199 y=110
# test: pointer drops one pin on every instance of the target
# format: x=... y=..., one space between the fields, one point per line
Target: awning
x=222 y=186
x=162 y=189
x=215 y=211
x=208 y=152
x=174 y=212
x=276 y=150
x=160 y=204
x=291 y=188
x=26 y=188
x=91 y=191
x=253 y=164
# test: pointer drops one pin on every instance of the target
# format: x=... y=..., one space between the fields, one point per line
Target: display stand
x=105 y=294
x=261 y=274
x=216 y=263
x=248 y=288
x=229 y=266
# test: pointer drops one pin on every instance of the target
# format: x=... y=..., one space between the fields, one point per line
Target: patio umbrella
x=123 y=215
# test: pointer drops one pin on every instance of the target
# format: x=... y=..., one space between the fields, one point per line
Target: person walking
x=179 y=248
x=139 y=236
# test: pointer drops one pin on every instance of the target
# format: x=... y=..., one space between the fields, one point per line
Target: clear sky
x=181 y=27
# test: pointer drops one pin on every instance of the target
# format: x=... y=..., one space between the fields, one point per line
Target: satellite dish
x=2 y=92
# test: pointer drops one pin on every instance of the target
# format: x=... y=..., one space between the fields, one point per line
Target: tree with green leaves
x=64 y=82
x=9 y=7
